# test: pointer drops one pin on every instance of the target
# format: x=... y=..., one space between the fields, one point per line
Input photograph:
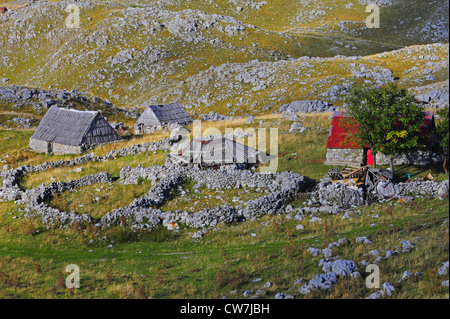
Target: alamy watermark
x=73 y=20
x=73 y=280
x=373 y=280
x=373 y=20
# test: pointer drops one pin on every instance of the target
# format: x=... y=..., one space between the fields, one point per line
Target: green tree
x=388 y=120
x=442 y=133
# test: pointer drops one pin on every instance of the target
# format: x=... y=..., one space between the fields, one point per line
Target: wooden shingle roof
x=219 y=151
x=73 y=127
x=160 y=115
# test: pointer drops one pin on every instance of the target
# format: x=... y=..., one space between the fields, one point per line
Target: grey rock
x=375 y=295
x=297 y=128
x=406 y=275
x=444 y=269
x=327 y=253
x=387 y=289
x=268 y=284
x=324 y=281
x=390 y=253
x=406 y=245
x=344 y=241
x=304 y=290
x=374 y=252
x=314 y=251
x=363 y=240
x=260 y=292
x=280 y=295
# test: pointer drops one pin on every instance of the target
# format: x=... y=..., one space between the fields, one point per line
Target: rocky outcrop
x=42 y=99
x=306 y=106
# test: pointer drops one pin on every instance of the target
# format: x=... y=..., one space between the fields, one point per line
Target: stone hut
x=218 y=152
x=155 y=117
x=68 y=131
x=343 y=149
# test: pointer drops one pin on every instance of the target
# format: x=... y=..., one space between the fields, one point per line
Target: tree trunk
x=391 y=164
x=374 y=159
x=445 y=166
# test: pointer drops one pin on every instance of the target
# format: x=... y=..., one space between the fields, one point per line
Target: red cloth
x=369 y=157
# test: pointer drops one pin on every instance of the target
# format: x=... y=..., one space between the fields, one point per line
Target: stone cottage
x=343 y=149
x=218 y=152
x=68 y=131
x=155 y=117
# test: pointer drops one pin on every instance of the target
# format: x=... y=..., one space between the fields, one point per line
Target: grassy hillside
x=131 y=51
x=234 y=57
x=164 y=264
x=171 y=264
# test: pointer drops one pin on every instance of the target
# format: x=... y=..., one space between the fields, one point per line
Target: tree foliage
x=389 y=120
x=442 y=130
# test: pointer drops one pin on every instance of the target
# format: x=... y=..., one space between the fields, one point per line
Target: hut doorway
x=367 y=156
x=141 y=128
x=49 y=147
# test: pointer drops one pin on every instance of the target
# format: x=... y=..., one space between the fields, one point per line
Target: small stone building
x=218 y=152
x=155 y=117
x=68 y=131
x=343 y=149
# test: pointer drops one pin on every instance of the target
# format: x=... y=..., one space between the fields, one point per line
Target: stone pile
x=43 y=99
x=431 y=188
x=334 y=267
x=11 y=189
x=338 y=194
x=332 y=271
x=11 y=177
x=130 y=175
x=387 y=289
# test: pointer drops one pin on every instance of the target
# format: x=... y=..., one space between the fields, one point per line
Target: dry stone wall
x=341 y=156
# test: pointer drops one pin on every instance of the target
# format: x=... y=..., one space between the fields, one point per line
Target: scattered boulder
x=444 y=269
x=387 y=289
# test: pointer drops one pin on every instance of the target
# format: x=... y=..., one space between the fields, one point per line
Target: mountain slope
x=130 y=51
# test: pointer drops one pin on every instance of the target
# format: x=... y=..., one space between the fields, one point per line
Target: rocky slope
x=236 y=56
